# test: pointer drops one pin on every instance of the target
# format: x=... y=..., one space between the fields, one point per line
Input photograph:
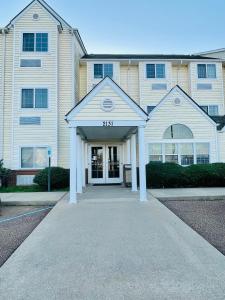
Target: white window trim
x=31 y=53
x=178 y=141
x=156 y=78
x=211 y=105
x=29 y=146
x=102 y=63
x=206 y=78
x=23 y=109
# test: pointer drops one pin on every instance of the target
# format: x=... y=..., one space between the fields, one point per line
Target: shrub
x=207 y=175
x=59 y=178
x=171 y=175
x=165 y=175
x=4 y=174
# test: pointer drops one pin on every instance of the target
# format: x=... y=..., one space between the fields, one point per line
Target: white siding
x=147 y=95
x=207 y=97
x=129 y=81
x=169 y=113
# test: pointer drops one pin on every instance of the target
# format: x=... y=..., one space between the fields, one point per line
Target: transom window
x=206 y=71
x=178 y=131
x=35 y=42
x=33 y=157
x=182 y=153
x=103 y=70
x=34 y=98
x=155 y=71
x=212 y=110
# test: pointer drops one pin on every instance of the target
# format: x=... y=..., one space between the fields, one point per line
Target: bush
x=4 y=174
x=165 y=175
x=59 y=178
x=171 y=175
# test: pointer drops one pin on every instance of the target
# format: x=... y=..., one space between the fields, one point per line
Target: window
x=187 y=154
x=155 y=71
x=31 y=63
x=178 y=131
x=202 y=153
x=150 y=108
x=206 y=71
x=35 y=42
x=182 y=153
x=212 y=110
x=103 y=70
x=33 y=157
x=34 y=98
x=155 y=152
x=171 y=153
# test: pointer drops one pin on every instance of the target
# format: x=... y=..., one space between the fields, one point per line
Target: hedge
x=60 y=178
x=171 y=175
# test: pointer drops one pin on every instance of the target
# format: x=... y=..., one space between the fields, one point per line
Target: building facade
x=97 y=113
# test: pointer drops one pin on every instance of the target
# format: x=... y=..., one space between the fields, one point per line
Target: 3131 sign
x=107 y=123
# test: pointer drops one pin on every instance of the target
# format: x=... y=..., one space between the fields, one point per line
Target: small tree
x=4 y=174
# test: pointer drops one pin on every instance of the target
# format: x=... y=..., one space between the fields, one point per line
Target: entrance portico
x=104 y=130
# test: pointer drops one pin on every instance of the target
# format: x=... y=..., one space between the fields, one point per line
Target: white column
x=133 y=163
x=83 y=163
x=79 y=165
x=73 y=165
x=142 y=171
x=128 y=152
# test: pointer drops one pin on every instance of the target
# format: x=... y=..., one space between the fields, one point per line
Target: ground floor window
x=33 y=157
x=184 y=154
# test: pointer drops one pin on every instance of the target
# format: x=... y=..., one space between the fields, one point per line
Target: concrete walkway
x=217 y=193
x=113 y=248
x=35 y=198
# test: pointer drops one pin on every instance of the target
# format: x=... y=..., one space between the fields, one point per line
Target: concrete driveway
x=113 y=249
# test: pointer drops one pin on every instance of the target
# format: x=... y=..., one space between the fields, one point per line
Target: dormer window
x=35 y=42
x=206 y=71
x=103 y=70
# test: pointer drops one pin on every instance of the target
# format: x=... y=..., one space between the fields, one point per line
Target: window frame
x=103 y=70
x=208 y=108
x=155 y=64
x=34 y=147
x=29 y=53
x=163 y=142
x=209 y=78
x=34 y=98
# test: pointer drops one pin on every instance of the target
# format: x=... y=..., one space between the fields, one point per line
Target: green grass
x=29 y=188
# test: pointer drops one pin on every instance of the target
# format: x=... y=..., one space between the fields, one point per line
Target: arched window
x=178 y=131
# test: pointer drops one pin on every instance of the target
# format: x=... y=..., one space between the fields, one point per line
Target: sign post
x=49 y=169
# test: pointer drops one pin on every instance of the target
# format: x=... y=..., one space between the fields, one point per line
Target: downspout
x=3 y=96
x=128 y=77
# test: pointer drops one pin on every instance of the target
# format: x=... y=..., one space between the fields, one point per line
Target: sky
x=139 y=26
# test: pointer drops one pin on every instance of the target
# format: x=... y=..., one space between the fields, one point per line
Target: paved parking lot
x=205 y=217
x=16 y=223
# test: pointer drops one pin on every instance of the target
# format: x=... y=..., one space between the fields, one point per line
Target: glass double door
x=105 y=164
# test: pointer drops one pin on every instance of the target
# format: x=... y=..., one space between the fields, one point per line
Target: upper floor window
x=103 y=70
x=35 y=42
x=206 y=71
x=155 y=71
x=34 y=98
x=212 y=110
x=178 y=131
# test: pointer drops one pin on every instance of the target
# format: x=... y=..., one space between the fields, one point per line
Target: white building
x=99 y=112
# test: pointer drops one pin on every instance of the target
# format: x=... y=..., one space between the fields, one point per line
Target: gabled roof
x=55 y=15
x=107 y=80
x=191 y=100
x=146 y=56
x=211 y=51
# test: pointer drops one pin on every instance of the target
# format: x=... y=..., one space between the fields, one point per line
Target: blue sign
x=49 y=152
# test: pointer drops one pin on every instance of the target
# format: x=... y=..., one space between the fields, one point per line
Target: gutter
x=3 y=31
